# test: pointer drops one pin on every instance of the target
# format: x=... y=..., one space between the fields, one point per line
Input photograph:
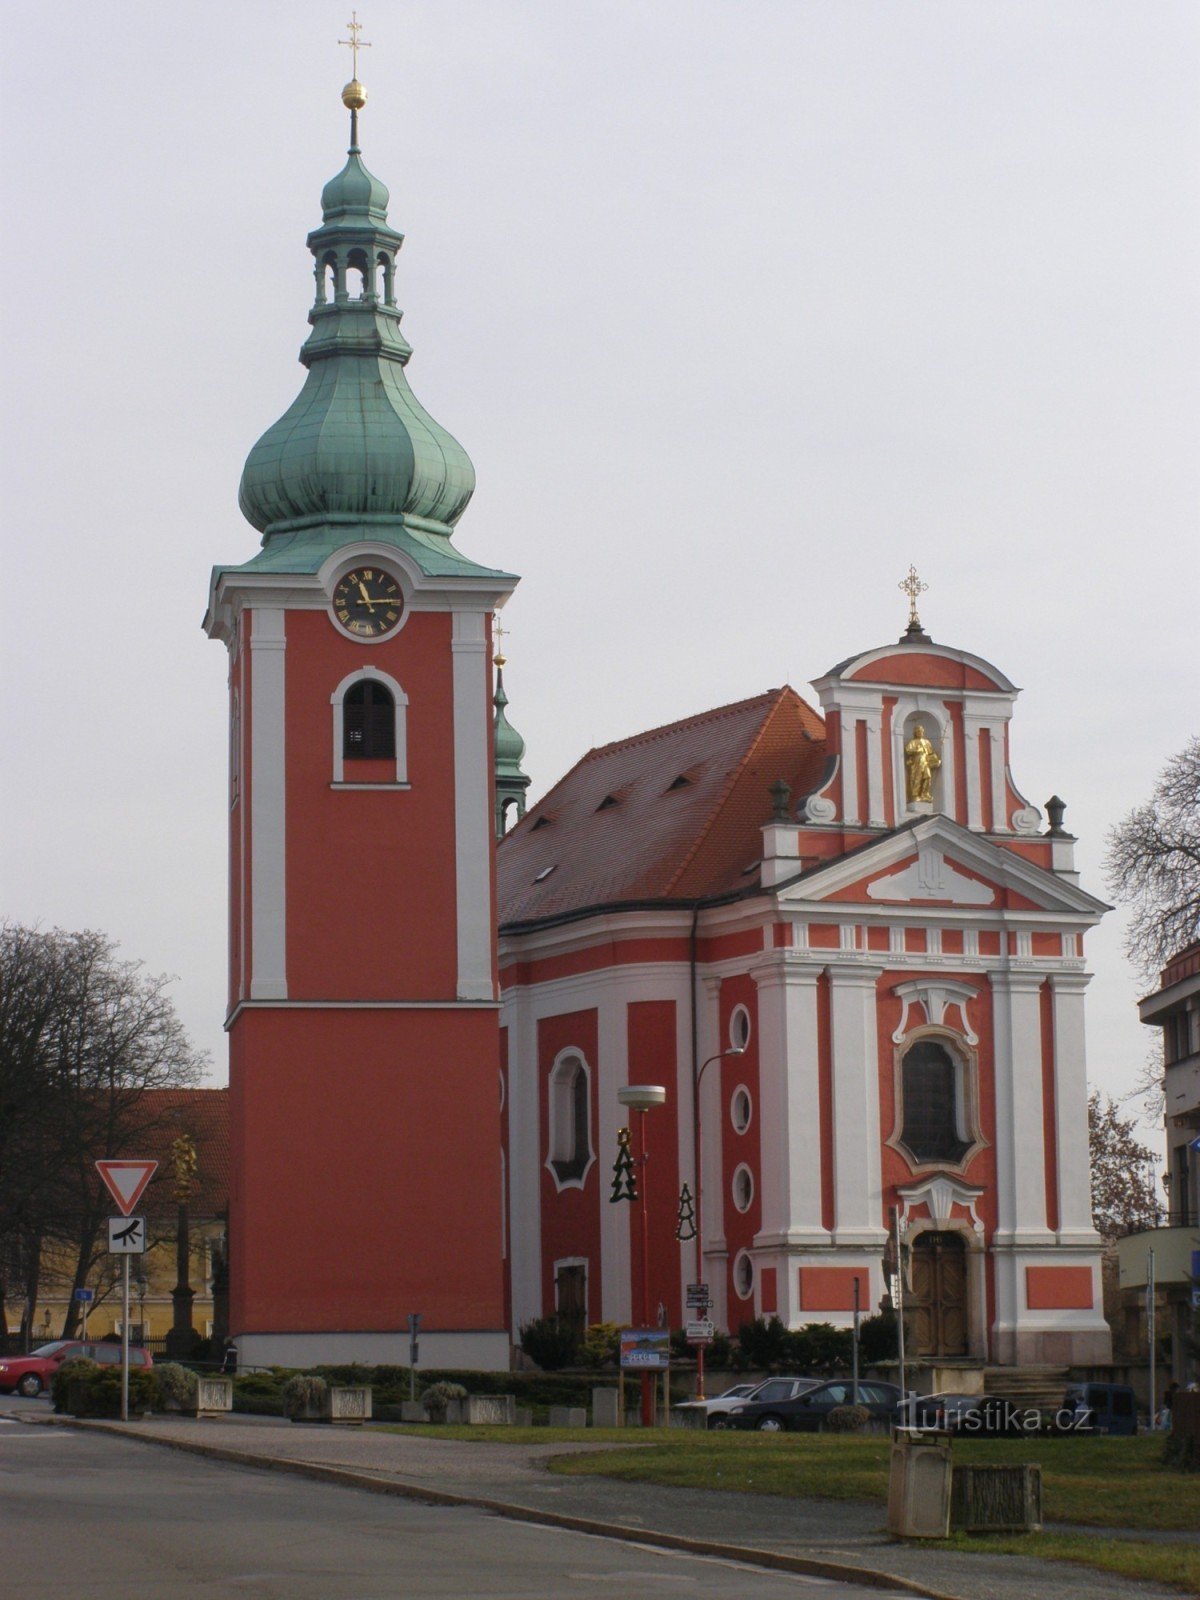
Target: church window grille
x=570 y=1120
x=932 y=1103
x=368 y=722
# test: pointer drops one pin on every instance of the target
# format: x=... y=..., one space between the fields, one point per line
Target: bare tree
x=1125 y=1194
x=83 y=1037
x=1153 y=864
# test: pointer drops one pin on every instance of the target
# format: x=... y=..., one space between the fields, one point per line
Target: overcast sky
x=737 y=307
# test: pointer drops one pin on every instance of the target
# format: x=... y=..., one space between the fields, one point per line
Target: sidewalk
x=831 y=1538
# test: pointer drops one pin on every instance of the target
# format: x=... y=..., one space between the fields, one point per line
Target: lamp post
x=641 y=1097
x=697 y=1152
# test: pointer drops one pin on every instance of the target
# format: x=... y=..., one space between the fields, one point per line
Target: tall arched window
x=934 y=1114
x=368 y=723
x=570 y=1120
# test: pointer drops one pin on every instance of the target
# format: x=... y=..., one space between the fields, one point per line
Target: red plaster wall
x=1058 y=1288
x=570 y=1218
x=370 y=898
x=832 y=1289
x=914 y=667
x=368 y=1175
x=651 y=1035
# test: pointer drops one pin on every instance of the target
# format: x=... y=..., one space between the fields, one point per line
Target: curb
x=349 y=1478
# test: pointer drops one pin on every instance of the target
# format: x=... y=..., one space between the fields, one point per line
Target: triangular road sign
x=126 y=1180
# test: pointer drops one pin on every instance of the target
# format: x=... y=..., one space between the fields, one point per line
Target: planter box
x=412 y=1411
x=311 y=1411
x=492 y=1409
x=605 y=1408
x=523 y=1417
x=348 y=1404
x=214 y=1396
x=996 y=1500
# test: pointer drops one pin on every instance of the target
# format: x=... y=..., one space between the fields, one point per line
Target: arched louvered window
x=933 y=1112
x=368 y=722
x=570 y=1120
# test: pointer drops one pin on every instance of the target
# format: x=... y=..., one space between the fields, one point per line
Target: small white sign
x=702 y=1329
x=127 y=1236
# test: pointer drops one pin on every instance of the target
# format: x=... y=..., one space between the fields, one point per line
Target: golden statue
x=921 y=761
x=184 y=1164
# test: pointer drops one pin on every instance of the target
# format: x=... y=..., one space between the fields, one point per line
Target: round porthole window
x=743 y=1188
x=741 y=1109
x=739 y=1028
x=743 y=1275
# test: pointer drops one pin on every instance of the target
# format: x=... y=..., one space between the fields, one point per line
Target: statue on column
x=921 y=761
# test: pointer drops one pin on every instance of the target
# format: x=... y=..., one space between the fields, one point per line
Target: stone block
x=412 y=1411
x=492 y=1409
x=606 y=1408
x=214 y=1395
x=568 y=1416
x=523 y=1416
x=349 y=1404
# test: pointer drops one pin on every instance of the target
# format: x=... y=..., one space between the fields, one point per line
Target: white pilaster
x=858 y=1184
x=612 y=1068
x=789 y=1095
x=268 y=841
x=850 y=766
x=524 y=1159
x=1000 y=823
x=971 y=726
x=874 y=721
x=472 y=808
x=1070 y=1109
x=1020 y=1151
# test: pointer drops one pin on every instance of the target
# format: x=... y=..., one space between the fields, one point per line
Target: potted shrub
x=175 y=1387
x=60 y=1383
x=304 y=1397
x=438 y=1399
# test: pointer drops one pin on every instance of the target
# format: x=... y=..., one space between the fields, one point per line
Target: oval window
x=739 y=1028
x=741 y=1109
x=743 y=1188
x=743 y=1275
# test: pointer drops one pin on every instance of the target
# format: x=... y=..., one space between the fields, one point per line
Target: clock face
x=368 y=603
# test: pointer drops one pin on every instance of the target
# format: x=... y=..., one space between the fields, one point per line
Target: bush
x=77 y=1367
x=95 y=1391
x=819 y=1348
x=1181 y=1452
x=601 y=1345
x=762 y=1344
x=550 y=1342
x=878 y=1338
x=303 y=1392
x=847 y=1419
x=174 y=1385
x=436 y=1399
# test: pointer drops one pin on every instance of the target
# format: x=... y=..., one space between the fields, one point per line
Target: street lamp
x=697 y=1151
x=642 y=1097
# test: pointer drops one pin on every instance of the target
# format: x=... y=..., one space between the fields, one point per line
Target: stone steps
x=1036 y=1386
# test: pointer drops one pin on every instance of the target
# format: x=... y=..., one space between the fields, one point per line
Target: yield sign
x=126 y=1180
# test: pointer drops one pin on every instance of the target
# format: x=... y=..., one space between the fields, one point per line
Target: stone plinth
x=351 y=1404
x=568 y=1416
x=606 y=1412
x=491 y=1409
x=213 y=1396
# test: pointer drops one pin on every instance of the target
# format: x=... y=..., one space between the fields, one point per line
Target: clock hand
x=367 y=601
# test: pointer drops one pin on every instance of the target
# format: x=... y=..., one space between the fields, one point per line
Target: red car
x=29 y=1375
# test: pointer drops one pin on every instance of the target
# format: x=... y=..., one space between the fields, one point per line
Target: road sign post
x=85 y=1298
x=414 y=1328
x=126 y=1181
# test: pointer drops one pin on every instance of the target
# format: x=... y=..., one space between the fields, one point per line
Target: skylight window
x=545 y=873
x=681 y=782
x=542 y=822
x=609 y=800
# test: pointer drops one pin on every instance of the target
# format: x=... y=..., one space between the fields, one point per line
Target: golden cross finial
x=912 y=587
x=354 y=43
x=499 y=634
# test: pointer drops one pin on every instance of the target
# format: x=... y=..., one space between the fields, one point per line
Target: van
x=1109 y=1407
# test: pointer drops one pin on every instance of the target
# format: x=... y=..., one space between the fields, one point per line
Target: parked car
x=717 y=1404
x=772 y=1391
x=1102 y=1407
x=806 y=1411
x=948 y=1410
x=992 y=1416
x=29 y=1375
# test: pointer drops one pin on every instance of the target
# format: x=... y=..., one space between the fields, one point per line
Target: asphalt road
x=114 y=1519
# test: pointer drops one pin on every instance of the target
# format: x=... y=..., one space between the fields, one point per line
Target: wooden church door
x=939 y=1294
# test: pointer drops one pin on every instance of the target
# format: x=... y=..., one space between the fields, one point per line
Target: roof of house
x=202 y=1113
x=669 y=815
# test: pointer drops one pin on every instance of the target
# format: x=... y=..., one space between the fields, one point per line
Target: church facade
x=852 y=953
x=841 y=941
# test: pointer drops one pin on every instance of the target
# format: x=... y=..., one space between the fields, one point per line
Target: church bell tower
x=363 y=1020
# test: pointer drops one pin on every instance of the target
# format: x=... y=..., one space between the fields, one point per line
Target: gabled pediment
x=936 y=862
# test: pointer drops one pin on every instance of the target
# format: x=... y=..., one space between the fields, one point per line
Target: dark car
x=772 y=1391
x=993 y=1416
x=30 y=1374
x=1102 y=1407
x=949 y=1410
x=806 y=1411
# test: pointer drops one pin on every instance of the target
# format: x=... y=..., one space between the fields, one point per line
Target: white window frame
x=399 y=700
x=560 y=1116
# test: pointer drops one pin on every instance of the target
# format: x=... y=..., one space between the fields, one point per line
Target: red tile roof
x=656 y=838
x=202 y=1113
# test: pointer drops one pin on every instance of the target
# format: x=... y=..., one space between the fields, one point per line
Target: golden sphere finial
x=354 y=96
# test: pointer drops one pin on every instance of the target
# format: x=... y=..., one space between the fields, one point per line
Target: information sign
x=700 y=1331
x=645 y=1349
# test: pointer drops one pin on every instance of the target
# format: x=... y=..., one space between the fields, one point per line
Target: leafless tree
x=83 y=1037
x=1153 y=864
x=1125 y=1192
